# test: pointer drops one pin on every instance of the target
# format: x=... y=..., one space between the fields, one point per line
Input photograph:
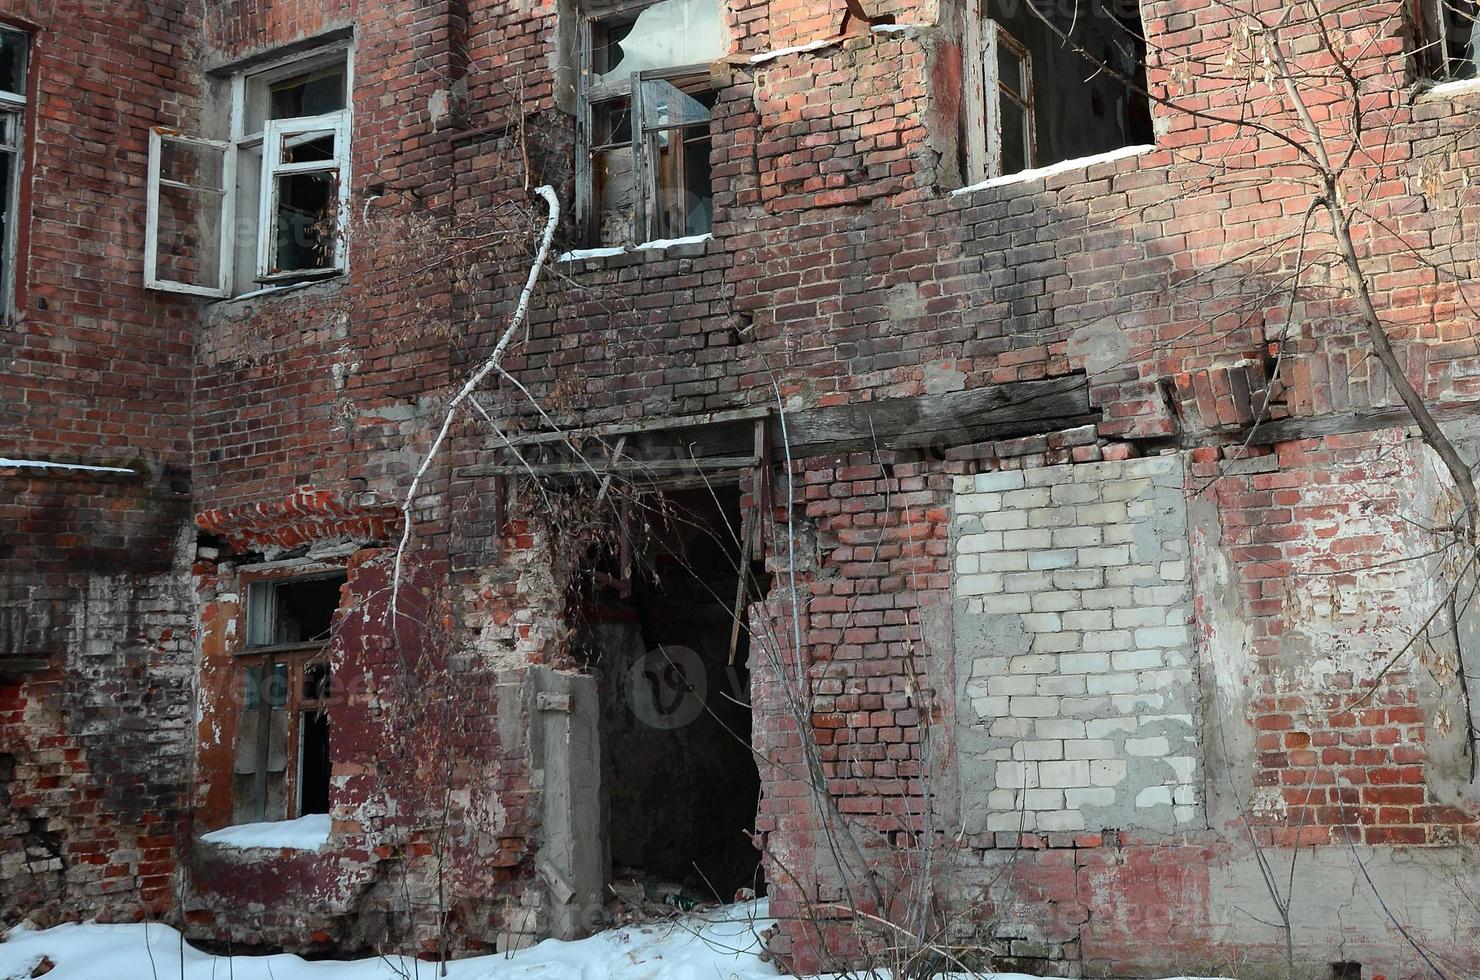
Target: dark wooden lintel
x=1341 y=423
x=717 y=440
x=957 y=418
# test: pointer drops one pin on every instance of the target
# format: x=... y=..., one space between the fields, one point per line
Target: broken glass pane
x=188 y=246
x=13 y=62
x=312 y=94
x=616 y=194
x=315 y=92
x=191 y=207
x=1014 y=138
x=307 y=224
x=684 y=202
x=1010 y=68
x=613 y=122
x=315 y=682
x=315 y=147
x=193 y=164
x=697 y=187
x=313 y=763
x=251 y=697
x=664 y=106
x=665 y=35
x=1461 y=39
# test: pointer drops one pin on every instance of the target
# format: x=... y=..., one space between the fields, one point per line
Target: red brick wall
x=839 y=272
x=94 y=665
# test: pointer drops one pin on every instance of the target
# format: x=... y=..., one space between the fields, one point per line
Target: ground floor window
x=282 y=768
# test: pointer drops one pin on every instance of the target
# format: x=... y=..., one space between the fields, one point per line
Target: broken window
x=14 y=48
x=282 y=767
x=646 y=98
x=265 y=205
x=1446 y=48
x=1039 y=95
x=184 y=241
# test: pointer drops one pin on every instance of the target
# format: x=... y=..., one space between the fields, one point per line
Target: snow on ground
x=304 y=834
x=720 y=944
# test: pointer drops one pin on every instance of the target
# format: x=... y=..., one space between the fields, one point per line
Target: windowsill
x=308 y=833
x=658 y=245
x=278 y=289
x=1063 y=166
x=247 y=651
x=1447 y=90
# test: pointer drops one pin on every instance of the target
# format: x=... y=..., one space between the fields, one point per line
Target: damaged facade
x=1078 y=563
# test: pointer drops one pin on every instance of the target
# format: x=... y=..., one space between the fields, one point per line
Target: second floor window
x=266 y=205
x=14 y=49
x=1448 y=46
x=643 y=132
x=1034 y=99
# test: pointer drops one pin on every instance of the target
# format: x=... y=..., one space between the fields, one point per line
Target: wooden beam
x=1369 y=420
x=957 y=418
x=658 y=424
x=1005 y=411
x=626 y=465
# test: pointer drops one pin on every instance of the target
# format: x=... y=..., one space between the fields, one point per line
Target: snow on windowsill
x=899 y=28
x=1065 y=166
x=41 y=464
x=654 y=246
x=308 y=833
x=765 y=56
x=1447 y=90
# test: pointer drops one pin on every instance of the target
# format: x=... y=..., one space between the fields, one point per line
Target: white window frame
x=984 y=97
x=274 y=131
x=239 y=141
x=158 y=137
x=14 y=104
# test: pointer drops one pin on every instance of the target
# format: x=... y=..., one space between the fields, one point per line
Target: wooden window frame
x=14 y=105
x=243 y=84
x=590 y=96
x=985 y=95
x=275 y=132
x=296 y=704
x=1432 y=61
x=159 y=139
x=298 y=658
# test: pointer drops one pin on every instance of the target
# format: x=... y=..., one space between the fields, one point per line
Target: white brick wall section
x=1092 y=723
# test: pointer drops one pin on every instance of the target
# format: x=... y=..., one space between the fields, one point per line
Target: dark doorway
x=679 y=782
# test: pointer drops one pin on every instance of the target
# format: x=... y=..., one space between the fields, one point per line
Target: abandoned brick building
x=942 y=468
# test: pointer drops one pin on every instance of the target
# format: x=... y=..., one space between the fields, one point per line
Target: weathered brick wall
x=1329 y=551
x=839 y=272
x=95 y=695
x=95 y=617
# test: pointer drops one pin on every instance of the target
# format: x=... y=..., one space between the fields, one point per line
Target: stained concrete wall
x=565 y=742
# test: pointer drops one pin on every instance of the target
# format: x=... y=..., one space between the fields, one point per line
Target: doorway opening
x=679 y=782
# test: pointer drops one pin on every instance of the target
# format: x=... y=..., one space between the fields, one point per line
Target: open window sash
x=998 y=95
x=311 y=152
x=187 y=233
